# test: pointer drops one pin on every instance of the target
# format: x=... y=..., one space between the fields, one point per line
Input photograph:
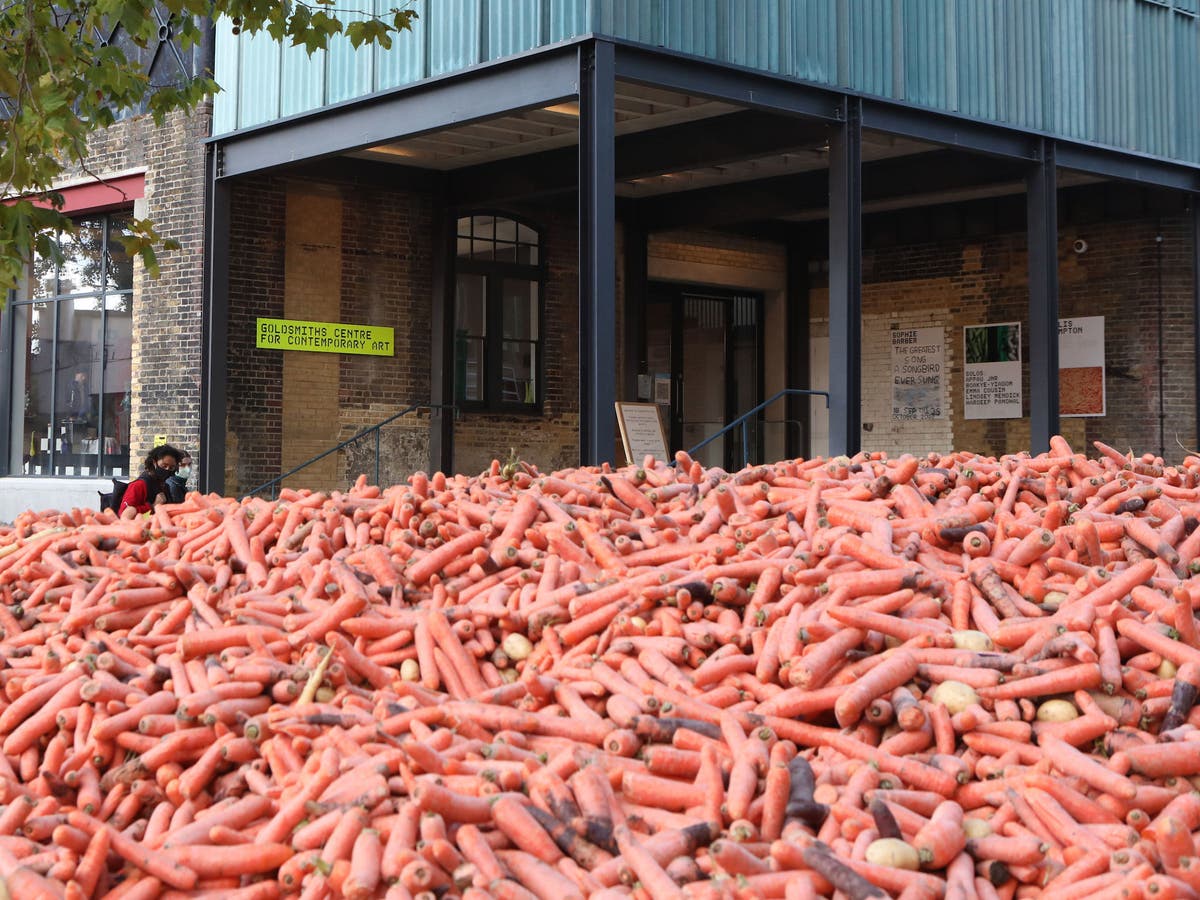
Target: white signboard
x=1081 y=388
x=641 y=432
x=992 y=371
x=918 y=362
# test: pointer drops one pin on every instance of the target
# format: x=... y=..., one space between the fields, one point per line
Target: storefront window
x=497 y=314
x=72 y=341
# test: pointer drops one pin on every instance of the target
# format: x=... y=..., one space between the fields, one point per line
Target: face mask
x=184 y=472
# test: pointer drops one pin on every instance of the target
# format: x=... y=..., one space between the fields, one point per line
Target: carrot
x=645 y=866
x=884 y=678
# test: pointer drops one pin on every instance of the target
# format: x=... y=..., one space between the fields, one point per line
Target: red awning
x=97 y=195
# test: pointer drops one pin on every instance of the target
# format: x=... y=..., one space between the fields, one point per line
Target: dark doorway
x=704 y=352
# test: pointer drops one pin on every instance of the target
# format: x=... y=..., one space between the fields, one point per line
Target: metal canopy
x=536 y=80
x=725 y=139
x=720 y=81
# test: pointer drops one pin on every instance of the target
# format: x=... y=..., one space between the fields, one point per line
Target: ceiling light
x=564 y=109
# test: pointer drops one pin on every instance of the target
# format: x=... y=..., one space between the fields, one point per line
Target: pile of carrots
x=952 y=676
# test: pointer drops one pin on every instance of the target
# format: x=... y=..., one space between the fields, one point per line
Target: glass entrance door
x=704 y=354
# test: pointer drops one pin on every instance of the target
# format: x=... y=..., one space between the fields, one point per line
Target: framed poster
x=992 y=371
x=918 y=360
x=642 y=432
x=1081 y=387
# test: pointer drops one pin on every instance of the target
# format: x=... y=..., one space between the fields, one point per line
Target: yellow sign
x=325 y=337
x=160 y=440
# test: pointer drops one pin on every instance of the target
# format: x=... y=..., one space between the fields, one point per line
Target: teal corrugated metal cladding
x=1124 y=73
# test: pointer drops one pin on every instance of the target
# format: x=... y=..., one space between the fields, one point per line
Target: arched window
x=497 y=315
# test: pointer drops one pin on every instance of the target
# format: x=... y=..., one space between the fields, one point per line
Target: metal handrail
x=744 y=418
x=375 y=428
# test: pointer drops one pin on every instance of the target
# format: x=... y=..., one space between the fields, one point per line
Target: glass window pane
x=82 y=267
x=79 y=365
x=520 y=300
x=526 y=235
x=468 y=365
x=470 y=305
x=470 y=329
x=464 y=246
x=481 y=249
x=120 y=263
x=113 y=441
x=43 y=277
x=484 y=227
x=518 y=370
x=506 y=230
x=506 y=252
x=464 y=226
x=527 y=255
x=33 y=388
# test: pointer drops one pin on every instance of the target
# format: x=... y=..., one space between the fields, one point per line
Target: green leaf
x=64 y=86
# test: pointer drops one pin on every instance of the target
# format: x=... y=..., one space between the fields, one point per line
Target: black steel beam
x=1127 y=167
x=441 y=357
x=1042 y=231
x=1195 y=209
x=714 y=141
x=797 y=437
x=530 y=81
x=6 y=386
x=371 y=173
x=845 y=283
x=697 y=77
x=949 y=131
x=597 y=253
x=883 y=180
x=214 y=325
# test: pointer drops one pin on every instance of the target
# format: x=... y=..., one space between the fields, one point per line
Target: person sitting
x=177 y=484
x=149 y=488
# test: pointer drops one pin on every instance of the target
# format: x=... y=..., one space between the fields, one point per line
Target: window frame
x=494 y=273
x=8 y=357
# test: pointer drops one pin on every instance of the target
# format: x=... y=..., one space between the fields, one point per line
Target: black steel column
x=597 y=254
x=1194 y=203
x=845 y=281
x=441 y=357
x=797 y=439
x=1042 y=234
x=215 y=325
x=634 y=314
x=6 y=385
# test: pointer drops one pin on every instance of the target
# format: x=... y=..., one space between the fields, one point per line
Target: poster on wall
x=918 y=361
x=1081 y=389
x=992 y=371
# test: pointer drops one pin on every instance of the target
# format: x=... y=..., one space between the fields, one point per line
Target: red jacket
x=138 y=495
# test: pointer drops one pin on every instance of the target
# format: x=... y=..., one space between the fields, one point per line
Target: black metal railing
x=743 y=421
x=375 y=429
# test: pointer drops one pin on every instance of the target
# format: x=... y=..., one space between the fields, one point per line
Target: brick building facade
x=163 y=168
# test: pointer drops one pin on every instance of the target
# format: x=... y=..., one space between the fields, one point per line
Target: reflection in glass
x=120 y=263
x=33 y=388
x=83 y=258
x=470 y=318
x=71 y=353
x=118 y=382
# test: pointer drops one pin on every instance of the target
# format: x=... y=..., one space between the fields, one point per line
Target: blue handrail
x=745 y=417
x=374 y=428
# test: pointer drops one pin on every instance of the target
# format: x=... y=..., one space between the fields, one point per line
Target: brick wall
x=254 y=388
x=957 y=283
x=334 y=251
x=330 y=252
x=166 y=366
